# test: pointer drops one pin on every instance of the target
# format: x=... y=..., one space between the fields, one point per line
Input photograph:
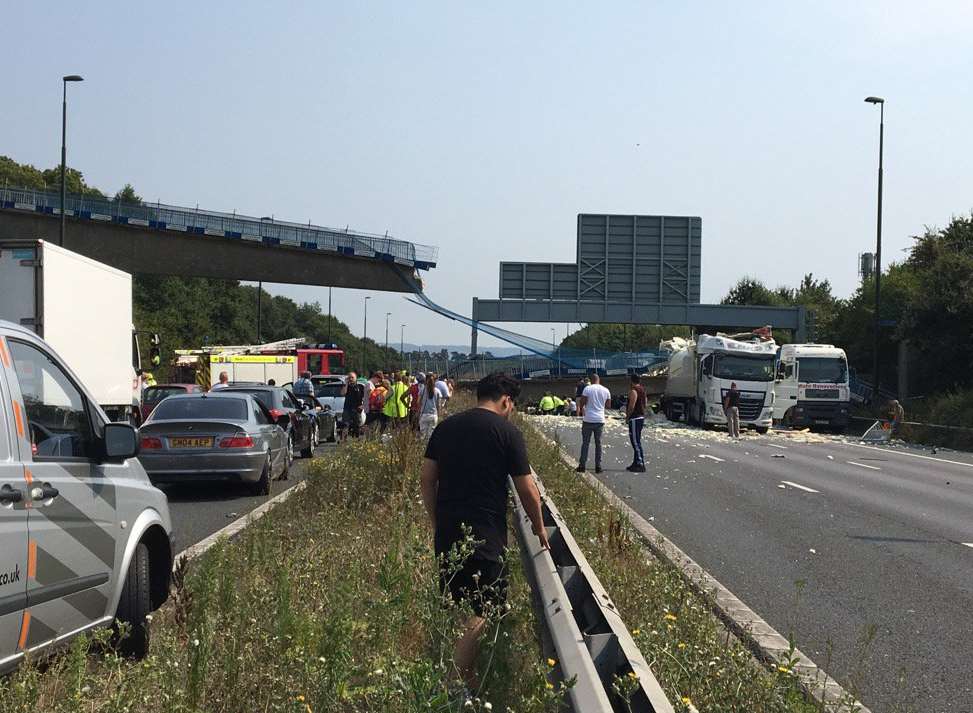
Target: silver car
x=215 y=436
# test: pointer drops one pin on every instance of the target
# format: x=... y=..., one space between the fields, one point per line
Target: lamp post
x=878 y=239
x=387 y=315
x=64 y=136
x=402 y=346
x=364 y=336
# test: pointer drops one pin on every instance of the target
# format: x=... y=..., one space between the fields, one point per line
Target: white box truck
x=700 y=374
x=811 y=388
x=83 y=308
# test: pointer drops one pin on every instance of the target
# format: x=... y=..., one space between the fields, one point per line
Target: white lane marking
x=911 y=455
x=800 y=487
x=968 y=544
x=777 y=445
x=862 y=465
x=706 y=455
x=237 y=525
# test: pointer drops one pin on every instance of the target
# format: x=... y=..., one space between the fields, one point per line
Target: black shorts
x=482 y=583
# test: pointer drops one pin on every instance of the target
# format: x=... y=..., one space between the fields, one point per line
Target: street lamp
x=364 y=335
x=387 y=315
x=64 y=133
x=402 y=346
x=878 y=238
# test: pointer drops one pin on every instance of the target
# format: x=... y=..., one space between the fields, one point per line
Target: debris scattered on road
x=777 y=455
x=231 y=514
x=782 y=487
x=830 y=457
x=813 y=551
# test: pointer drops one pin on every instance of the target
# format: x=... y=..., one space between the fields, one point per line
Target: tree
x=751 y=291
x=128 y=195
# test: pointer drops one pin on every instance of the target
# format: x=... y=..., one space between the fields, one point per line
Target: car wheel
x=262 y=486
x=333 y=438
x=134 y=605
x=308 y=452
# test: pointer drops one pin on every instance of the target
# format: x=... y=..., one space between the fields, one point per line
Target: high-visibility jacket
x=394 y=408
x=558 y=403
x=547 y=403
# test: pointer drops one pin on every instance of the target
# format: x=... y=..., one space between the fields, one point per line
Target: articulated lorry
x=81 y=307
x=811 y=387
x=701 y=372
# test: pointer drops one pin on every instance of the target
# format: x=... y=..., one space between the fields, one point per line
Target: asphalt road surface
x=200 y=509
x=864 y=553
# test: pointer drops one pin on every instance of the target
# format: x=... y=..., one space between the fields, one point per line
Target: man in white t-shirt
x=591 y=406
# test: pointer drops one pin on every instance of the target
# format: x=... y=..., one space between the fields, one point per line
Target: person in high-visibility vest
x=547 y=404
x=558 y=405
x=148 y=379
x=394 y=408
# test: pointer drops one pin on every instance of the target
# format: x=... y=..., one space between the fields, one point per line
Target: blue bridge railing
x=268 y=231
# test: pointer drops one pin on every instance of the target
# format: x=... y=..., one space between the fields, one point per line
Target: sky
x=485 y=128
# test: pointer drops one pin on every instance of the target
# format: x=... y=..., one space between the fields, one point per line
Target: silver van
x=84 y=536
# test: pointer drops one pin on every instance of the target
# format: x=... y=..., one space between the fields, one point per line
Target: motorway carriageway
x=824 y=538
x=200 y=509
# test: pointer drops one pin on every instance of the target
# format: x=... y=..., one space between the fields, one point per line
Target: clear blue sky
x=484 y=128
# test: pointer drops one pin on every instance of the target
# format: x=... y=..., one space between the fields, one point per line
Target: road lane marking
x=911 y=455
x=800 y=487
x=968 y=544
x=706 y=455
x=777 y=445
x=862 y=465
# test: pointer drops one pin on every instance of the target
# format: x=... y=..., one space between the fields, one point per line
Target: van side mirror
x=121 y=442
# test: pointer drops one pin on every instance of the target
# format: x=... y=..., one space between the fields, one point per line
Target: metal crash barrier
x=586 y=636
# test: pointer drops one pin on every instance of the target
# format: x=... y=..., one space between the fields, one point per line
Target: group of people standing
x=394 y=400
x=593 y=399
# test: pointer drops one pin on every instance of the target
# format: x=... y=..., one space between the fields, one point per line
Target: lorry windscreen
x=822 y=370
x=744 y=368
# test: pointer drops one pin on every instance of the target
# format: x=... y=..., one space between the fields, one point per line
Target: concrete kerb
x=767 y=644
x=237 y=526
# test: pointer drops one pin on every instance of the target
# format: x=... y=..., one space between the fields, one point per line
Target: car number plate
x=195 y=442
x=822 y=421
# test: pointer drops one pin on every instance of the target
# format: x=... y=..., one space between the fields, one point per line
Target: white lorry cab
x=85 y=536
x=811 y=387
x=701 y=372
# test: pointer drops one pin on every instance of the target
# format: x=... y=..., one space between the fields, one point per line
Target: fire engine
x=282 y=361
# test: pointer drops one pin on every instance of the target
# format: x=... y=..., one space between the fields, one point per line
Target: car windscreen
x=262 y=395
x=155 y=394
x=327 y=390
x=202 y=408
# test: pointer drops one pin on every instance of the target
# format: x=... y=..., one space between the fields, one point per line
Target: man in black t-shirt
x=464 y=485
x=354 y=394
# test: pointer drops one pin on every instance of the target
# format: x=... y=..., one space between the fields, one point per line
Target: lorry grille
x=821 y=393
x=750 y=407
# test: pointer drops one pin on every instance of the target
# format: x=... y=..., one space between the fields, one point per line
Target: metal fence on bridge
x=268 y=231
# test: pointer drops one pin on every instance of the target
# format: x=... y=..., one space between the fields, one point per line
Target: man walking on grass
x=635 y=416
x=464 y=486
x=591 y=406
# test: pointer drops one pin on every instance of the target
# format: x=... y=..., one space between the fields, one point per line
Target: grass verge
x=329 y=603
x=688 y=650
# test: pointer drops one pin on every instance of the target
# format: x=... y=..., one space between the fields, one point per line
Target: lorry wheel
x=134 y=605
x=760 y=429
x=262 y=486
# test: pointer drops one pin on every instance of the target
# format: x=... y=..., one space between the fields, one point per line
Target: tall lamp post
x=364 y=336
x=387 y=315
x=402 y=346
x=64 y=137
x=878 y=239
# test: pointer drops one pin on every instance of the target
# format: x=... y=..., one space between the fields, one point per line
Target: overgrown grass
x=690 y=653
x=330 y=603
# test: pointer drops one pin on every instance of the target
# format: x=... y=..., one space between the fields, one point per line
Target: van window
x=57 y=414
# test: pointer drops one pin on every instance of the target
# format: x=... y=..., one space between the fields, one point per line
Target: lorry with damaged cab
x=702 y=371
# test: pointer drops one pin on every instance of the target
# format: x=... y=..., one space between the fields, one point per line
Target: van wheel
x=134 y=605
x=262 y=486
